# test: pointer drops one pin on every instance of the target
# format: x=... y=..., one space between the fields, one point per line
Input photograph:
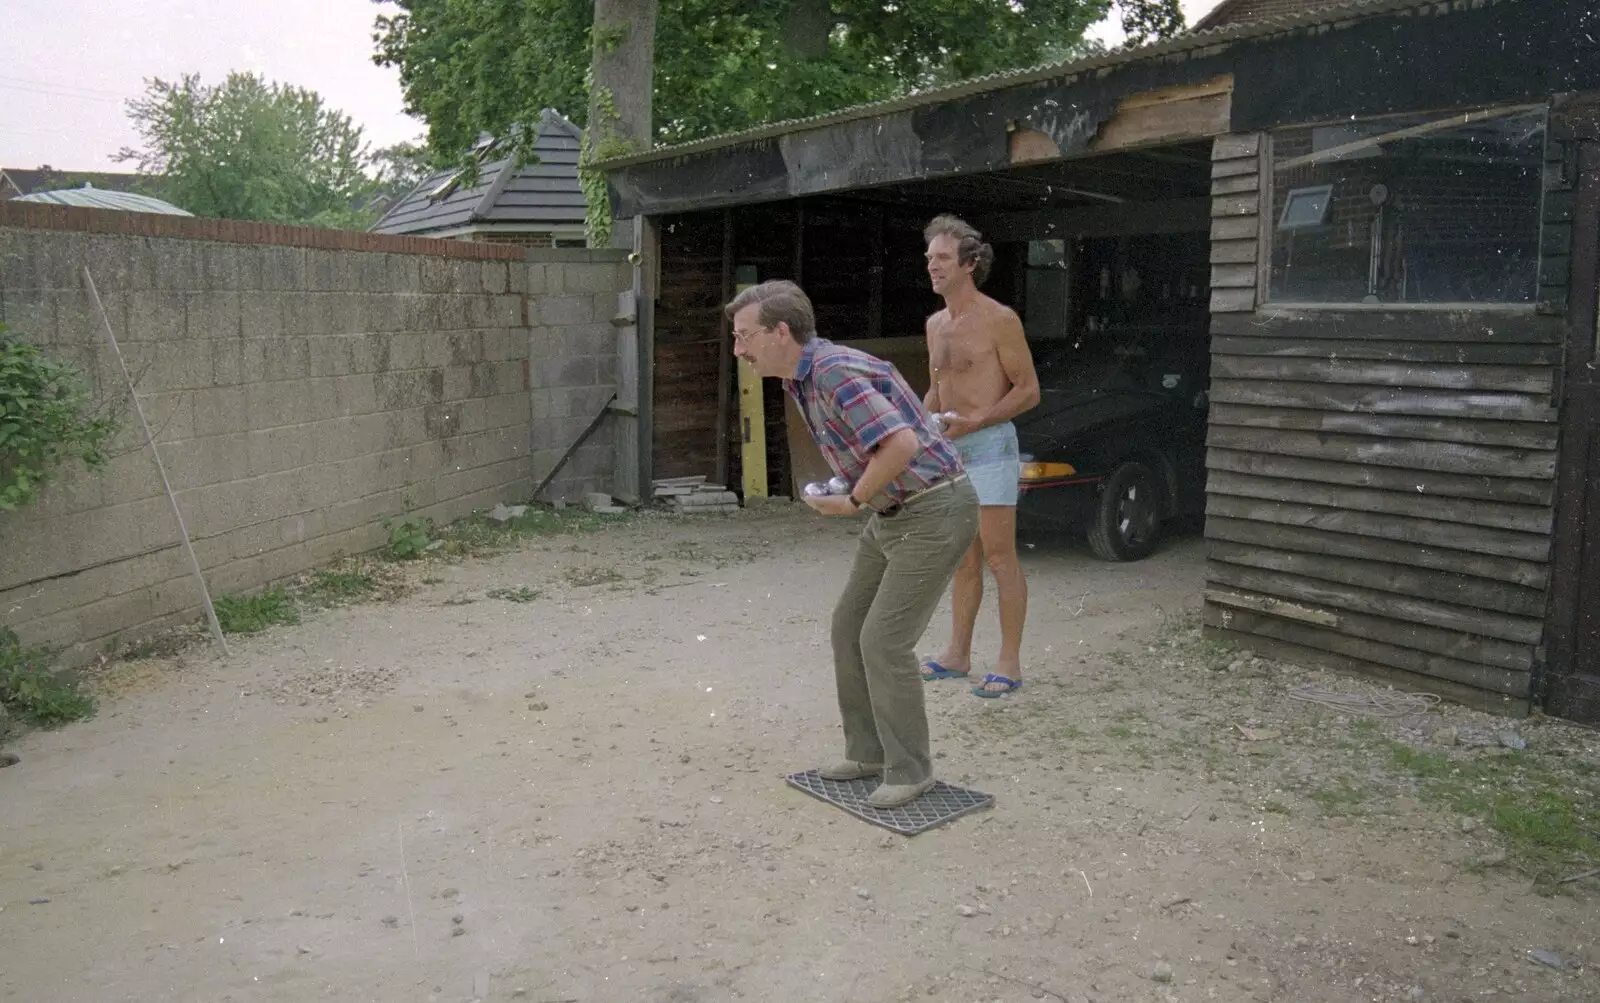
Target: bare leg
x=966 y=595
x=998 y=538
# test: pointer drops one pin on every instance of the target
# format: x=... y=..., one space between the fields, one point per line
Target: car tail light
x=1046 y=471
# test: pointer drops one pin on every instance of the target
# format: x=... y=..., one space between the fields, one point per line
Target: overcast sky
x=67 y=66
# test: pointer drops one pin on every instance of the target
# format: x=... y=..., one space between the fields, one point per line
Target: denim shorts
x=991 y=459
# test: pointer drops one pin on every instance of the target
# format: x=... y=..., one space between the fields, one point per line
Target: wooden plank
x=1447 y=643
x=1535 y=519
x=1496 y=489
x=1421 y=456
x=1515 y=326
x=1527 y=574
x=1382 y=576
x=1513 y=434
x=1142 y=123
x=1310 y=646
x=1236 y=185
x=1233 y=276
x=1238 y=145
x=1267 y=604
x=1460 y=619
x=1234 y=168
x=1448 y=376
x=1233 y=300
x=1235 y=205
x=1384 y=400
x=1382 y=528
x=1243 y=228
x=1387 y=351
x=1233 y=252
x=1220 y=84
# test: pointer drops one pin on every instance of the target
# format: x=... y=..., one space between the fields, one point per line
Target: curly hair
x=970 y=248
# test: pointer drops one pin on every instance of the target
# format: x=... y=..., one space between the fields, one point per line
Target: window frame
x=1268 y=228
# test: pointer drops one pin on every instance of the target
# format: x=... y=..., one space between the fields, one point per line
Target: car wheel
x=1127 y=520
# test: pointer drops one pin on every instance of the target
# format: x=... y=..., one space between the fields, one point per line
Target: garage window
x=1422 y=209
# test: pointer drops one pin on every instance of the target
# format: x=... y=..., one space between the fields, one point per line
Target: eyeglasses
x=743 y=337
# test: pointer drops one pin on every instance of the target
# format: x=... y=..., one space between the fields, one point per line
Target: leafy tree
x=397 y=170
x=250 y=149
x=470 y=66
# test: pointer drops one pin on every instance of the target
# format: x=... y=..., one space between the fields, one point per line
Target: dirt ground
x=555 y=775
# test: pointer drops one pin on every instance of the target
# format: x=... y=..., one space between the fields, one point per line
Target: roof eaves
x=1349 y=10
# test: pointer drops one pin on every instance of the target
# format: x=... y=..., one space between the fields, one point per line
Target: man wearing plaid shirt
x=875 y=433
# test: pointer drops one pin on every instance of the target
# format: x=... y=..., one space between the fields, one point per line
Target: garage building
x=1378 y=222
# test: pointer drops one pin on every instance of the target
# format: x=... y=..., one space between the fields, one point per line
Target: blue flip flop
x=939 y=672
x=1012 y=685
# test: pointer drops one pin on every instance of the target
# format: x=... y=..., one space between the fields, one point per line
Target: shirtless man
x=981 y=369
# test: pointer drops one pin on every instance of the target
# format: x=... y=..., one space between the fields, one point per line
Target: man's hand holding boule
x=961 y=425
x=833 y=505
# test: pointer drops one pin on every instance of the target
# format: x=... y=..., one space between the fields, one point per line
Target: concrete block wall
x=303 y=386
x=571 y=307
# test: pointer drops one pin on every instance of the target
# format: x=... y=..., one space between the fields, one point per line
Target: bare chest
x=958 y=347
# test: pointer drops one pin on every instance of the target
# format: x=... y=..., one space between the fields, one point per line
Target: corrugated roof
x=49 y=179
x=543 y=193
x=94 y=198
x=1342 y=10
x=1230 y=12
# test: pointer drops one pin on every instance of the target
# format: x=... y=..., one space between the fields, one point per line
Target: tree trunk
x=805 y=28
x=622 y=70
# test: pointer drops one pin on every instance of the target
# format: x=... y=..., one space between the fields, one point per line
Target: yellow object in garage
x=753 y=432
x=752 y=418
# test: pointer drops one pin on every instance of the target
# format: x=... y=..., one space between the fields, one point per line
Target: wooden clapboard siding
x=1380 y=483
x=1235 y=222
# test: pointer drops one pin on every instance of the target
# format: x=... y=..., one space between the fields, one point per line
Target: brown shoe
x=849 y=769
x=895 y=795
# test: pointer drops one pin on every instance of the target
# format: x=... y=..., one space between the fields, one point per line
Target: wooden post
x=646 y=280
x=625 y=484
x=724 y=350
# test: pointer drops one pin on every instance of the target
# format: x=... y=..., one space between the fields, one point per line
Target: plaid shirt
x=851 y=402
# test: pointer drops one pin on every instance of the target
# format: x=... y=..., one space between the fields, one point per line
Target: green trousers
x=903 y=564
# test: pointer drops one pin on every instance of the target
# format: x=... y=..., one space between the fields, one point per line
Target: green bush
x=32 y=690
x=46 y=418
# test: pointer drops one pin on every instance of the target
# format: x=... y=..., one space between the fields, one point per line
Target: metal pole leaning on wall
x=183 y=531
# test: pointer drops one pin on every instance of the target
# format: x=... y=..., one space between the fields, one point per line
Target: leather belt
x=896 y=508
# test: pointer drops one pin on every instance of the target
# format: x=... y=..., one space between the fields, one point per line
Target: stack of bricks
x=693 y=496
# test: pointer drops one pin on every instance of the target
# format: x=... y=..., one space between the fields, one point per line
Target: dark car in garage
x=1115 y=448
